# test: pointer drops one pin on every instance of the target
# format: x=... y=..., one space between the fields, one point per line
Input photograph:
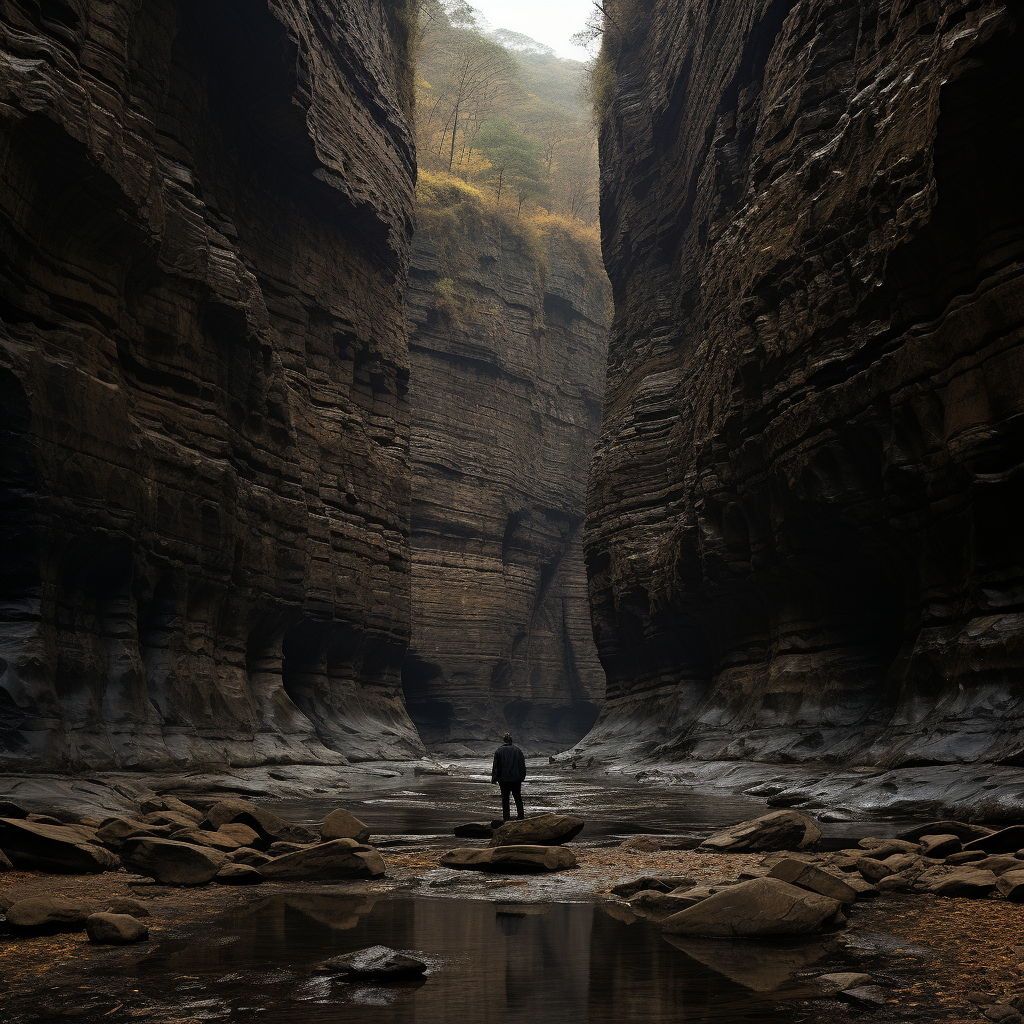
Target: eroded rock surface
x=204 y=225
x=803 y=524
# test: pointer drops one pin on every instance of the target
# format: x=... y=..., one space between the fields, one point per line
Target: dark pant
x=513 y=789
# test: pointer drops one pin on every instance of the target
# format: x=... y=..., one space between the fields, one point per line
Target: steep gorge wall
x=804 y=522
x=205 y=213
x=507 y=346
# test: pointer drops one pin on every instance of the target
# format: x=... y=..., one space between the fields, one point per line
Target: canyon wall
x=507 y=347
x=804 y=522
x=205 y=213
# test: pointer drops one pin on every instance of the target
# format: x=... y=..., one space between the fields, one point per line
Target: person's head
x=507 y=737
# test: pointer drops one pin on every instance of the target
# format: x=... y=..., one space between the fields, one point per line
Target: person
x=508 y=772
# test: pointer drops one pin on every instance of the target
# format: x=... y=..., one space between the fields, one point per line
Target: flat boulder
x=940 y=846
x=1011 y=885
x=342 y=824
x=171 y=803
x=999 y=863
x=655 y=883
x=115 y=929
x=203 y=837
x=270 y=827
x=1006 y=840
x=33 y=846
x=48 y=915
x=338 y=858
x=171 y=862
x=967 y=882
x=238 y=874
x=760 y=907
x=814 y=879
x=540 y=830
x=375 y=962
x=247 y=855
x=512 y=860
x=780 y=830
x=114 y=831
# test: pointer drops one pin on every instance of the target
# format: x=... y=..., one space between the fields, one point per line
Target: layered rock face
x=205 y=213
x=505 y=394
x=804 y=524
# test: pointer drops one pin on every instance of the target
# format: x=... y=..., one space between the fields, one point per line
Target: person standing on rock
x=508 y=772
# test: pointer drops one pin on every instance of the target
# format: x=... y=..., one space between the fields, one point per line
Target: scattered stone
x=657 y=883
x=760 y=907
x=780 y=830
x=115 y=929
x=1011 y=885
x=247 y=855
x=814 y=879
x=967 y=882
x=900 y=881
x=864 y=995
x=1002 y=1013
x=342 y=824
x=376 y=962
x=474 y=830
x=511 y=859
x=960 y=829
x=123 y=905
x=641 y=844
x=59 y=848
x=541 y=830
x=238 y=874
x=48 y=915
x=268 y=825
x=940 y=846
x=1007 y=840
x=873 y=870
x=171 y=862
x=338 y=858
x=830 y=984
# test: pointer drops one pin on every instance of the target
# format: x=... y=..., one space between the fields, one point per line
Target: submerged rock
x=511 y=859
x=375 y=961
x=115 y=929
x=780 y=830
x=542 y=830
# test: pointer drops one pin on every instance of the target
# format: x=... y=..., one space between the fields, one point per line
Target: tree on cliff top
x=514 y=159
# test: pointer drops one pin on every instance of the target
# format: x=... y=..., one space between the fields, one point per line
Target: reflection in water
x=509 y=962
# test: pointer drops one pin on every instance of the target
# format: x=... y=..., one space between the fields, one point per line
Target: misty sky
x=548 y=21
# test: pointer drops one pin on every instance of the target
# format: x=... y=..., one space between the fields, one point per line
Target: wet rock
x=238 y=874
x=1011 y=885
x=247 y=855
x=865 y=995
x=115 y=929
x=814 y=879
x=475 y=830
x=269 y=826
x=760 y=907
x=961 y=829
x=59 y=848
x=968 y=883
x=1007 y=840
x=511 y=859
x=940 y=846
x=830 y=984
x=171 y=803
x=541 y=830
x=375 y=962
x=48 y=915
x=338 y=858
x=656 y=883
x=781 y=830
x=171 y=862
x=342 y=824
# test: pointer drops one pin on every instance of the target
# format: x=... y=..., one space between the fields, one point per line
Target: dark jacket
x=509 y=764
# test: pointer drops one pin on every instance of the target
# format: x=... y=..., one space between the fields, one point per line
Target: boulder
x=964 y=832
x=12 y=810
x=965 y=882
x=830 y=984
x=1011 y=885
x=865 y=995
x=760 y=907
x=780 y=830
x=540 y=830
x=940 y=846
x=375 y=962
x=338 y=858
x=60 y=848
x=665 y=902
x=657 y=883
x=814 y=879
x=966 y=857
x=998 y=864
x=5 y=862
x=885 y=848
x=238 y=874
x=511 y=859
x=115 y=929
x=242 y=834
x=179 y=821
x=281 y=848
x=342 y=824
x=171 y=862
x=48 y=915
x=123 y=905
x=203 y=837
x=270 y=827
x=171 y=803
x=475 y=830
x=864 y=889
x=873 y=870
x=247 y=855
x=114 y=831
x=1006 y=840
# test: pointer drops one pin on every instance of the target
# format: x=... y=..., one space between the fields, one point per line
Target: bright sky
x=548 y=21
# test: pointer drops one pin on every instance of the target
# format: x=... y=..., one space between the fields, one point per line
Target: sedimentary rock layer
x=507 y=347
x=804 y=526
x=205 y=212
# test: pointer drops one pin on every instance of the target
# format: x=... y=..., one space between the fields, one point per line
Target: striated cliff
x=804 y=521
x=507 y=347
x=205 y=212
